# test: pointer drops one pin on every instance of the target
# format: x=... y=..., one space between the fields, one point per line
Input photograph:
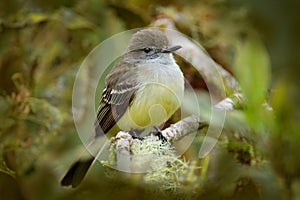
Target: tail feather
x=77 y=172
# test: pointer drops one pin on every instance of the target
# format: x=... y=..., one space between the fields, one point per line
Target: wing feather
x=121 y=85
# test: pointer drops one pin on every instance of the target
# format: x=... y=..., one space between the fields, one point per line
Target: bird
x=142 y=91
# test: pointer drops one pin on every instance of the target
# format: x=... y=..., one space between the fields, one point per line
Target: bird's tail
x=79 y=168
x=77 y=172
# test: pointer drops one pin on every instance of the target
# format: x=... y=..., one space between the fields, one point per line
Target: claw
x=135 y=133
x=160 y=136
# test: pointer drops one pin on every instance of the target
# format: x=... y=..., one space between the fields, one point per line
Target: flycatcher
x=142 y=91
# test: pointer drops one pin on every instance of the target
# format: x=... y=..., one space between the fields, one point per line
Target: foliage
x=42 y=45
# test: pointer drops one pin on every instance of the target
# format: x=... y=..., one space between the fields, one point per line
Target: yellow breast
x=158 y=98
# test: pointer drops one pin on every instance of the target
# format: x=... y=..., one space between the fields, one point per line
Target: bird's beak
x=170 y=49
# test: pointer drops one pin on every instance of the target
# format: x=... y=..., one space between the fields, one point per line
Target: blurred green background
x=43 y=43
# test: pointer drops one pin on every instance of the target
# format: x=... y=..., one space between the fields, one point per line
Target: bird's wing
x=121 y=85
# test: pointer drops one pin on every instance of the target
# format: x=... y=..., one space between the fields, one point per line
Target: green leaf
x=69 y=18
x=252 y=68
x=35 y=18
x=23 y=18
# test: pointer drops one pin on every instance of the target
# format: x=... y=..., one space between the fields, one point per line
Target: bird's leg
x=159 y=134
x=135 y=134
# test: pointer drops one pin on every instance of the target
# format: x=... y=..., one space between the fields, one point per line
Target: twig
x=182 y=128
x=123 y=142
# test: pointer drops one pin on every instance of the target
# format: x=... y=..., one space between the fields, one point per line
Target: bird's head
x=149 y=44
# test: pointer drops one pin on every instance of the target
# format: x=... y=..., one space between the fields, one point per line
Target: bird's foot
x=135 y=134
x=159 y=134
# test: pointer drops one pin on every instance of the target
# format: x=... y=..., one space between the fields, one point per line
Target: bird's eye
x=147 y=50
